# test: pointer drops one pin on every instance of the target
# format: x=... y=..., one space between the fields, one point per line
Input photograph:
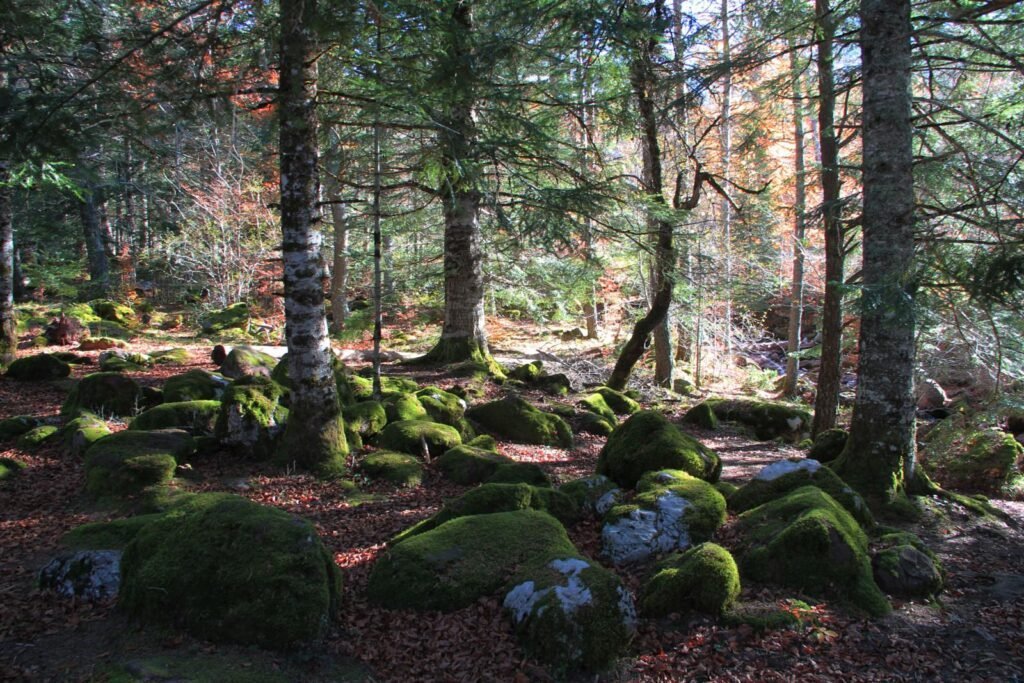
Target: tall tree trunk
x=315 y=435
x=8 y=340
x=726 y=206
x=97 y=238
x=463 y=334
x=339 y=271
x=826 y=401
x=878 y=459
x=796 y=301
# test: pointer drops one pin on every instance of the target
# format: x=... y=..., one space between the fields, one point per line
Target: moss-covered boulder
x=572 y=614
x=245 y=361
x=701 y=415
x=251 y=417
x=97 y=343
x=705 y=579
x=16 y=426
x=195 y=385
x=768 y=419
x=596 y=494
x=517 y=420
x=399 y=407
x=783 y=476
x=235 y=316
x=828 y=445
x=175 y=356
x=119 y=360
x=681 y=512
x=366 y=418
x=807 y=540
x=234 y=571
x=124 y=463
x=400 y=469
x=413 y=436
x=38 y=368
x=446 y=408
x=104 y=393
x=81 y=432
x=468 y=465
x=905 y=567
x=196 y=417
x=520 y=473
x=619 y=402
x=10 y=468
x=465 y=559
x=527 y=373
x=596 y=404
x=114 y=312
x=592 y=423
x=647 y=441
x=36 y=437
x=960 y=454
x=490 y=498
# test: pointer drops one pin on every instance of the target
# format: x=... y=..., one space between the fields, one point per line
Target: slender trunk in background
x=378 y=291
x=315 y=433
x=726 y=207
x=339 y=270
x=96 y=231
x=8 y=339
x=878 y=459
x=796 y=301
x=826 y=401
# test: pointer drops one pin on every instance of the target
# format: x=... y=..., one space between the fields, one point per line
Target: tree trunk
x=796 y=301
x=315 y=435
x=878 y=459
x=97 y=238
x=339 y=272
x=826 y=401
x=8 y=340
x=726 y=206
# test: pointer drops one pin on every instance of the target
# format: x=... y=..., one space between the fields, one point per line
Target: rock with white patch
x=85 y=574
x=597 y=494
x=783 y=467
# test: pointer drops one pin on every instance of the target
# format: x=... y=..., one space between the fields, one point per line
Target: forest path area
x=972 y=633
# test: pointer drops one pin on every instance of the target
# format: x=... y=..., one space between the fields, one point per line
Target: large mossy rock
x=701 y=415
x=401 y=406
x=38 y=368
x=196 y=417
x=465 y=559
x=36 y=437
x=81 y=432
x=960 y=454
x=235 y=316
x=807 y=540
x=195 y=385
x=618 y=401
x=235 y=571
x=905 y=567
x=646 y=442
x=104 y=393
x=572 y=614
x=468 y=465
x=768 y=419
x=490 y=498
x=783 y=476
x=113 y=312
x=596 y=494
x=251 y=417
x=596 y=404
x=411 y=436
x=400 y=469
x=517 y=420
x=245 y=361
x=16 y=426
x=10 y=468
x=175 y=356
x=366 y=418
x=828 y=445
x=446 y=408
x=520 y=473
x=125 y=463
x=673 y=511
x=705 y=579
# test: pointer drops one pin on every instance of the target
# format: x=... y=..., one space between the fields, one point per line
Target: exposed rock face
x=85 y=574
x=930 y=395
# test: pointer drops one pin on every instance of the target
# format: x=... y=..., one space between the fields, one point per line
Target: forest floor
x=973 y=632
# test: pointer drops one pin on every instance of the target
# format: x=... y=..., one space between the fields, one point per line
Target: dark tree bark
x=96 y=231
x=826 y=401
x=314 y=436
x=8 y=340
x=339 y=271
x=878 y=459
x=796 y=300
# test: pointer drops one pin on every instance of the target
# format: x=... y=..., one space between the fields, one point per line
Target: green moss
x=126 y=363
x=768 y=419
x=113 y=535
x=101 y=343
x=596 y=404
x=194 y=385
x=647 y=441
x=411 y=436
x=701 y=415
x=245 y=361
x=106 y=393
x=807 y=540
x=234 y=571
x=114 y=312
x=399 y=407
x=177 y=356
x=400 y=469
x=455 y=564
x=38 y=368
x=80 y=433
x=704 y=578
x=726 y=488
x=354 y=386
x=621 y=403
x=16 y=426
x=251 y=417
x=527 y=373
x=105 y=329
x=592 y=423
x=828 y=445
x=125 y=463
x=515 y=419
x=557 y=384
x=36 y=437
x=196 y=417
x=366 y=418
x=520 y=472
x=761 y=618
x=587 y=491
x=446 y=408
x=81 y=312
x=10 y=468
x=758 y=492
x=961 y=455
x=235 y=316
x=704 y=515
x=468 y=465
x=485 y=442
x=463 y=355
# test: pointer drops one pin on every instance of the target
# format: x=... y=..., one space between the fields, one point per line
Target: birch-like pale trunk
x=726 y=206
x=314 y=437
x=878 y=459
x=8 y=339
